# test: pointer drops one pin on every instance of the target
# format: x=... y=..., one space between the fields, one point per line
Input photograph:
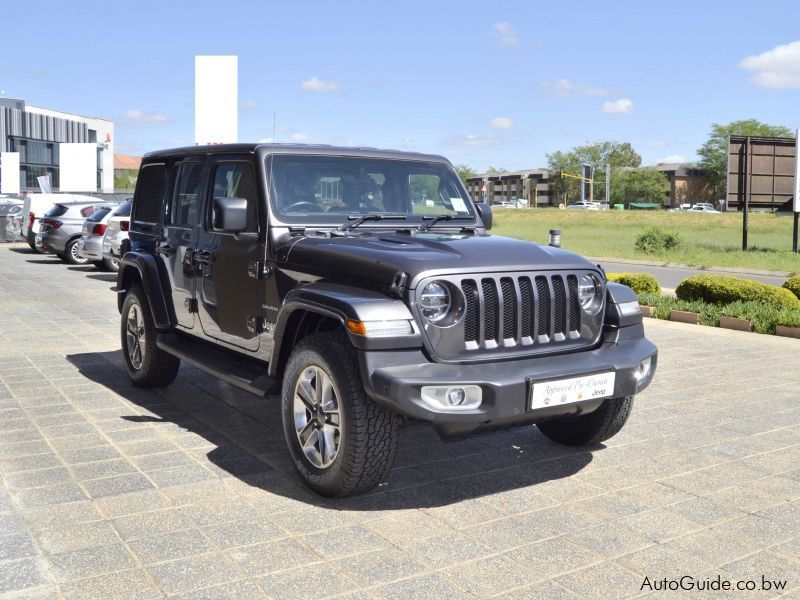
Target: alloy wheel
x=77 y=258
x=135 y=337
x=317 y=417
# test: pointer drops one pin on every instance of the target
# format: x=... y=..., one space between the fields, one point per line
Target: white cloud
x=672 y=158
x=504 y=33
x=300 y=137
x=476 y=140
x=502 y=123
x=776 y=68
x=138 y=116
x=266 y=140
x=657 y=144
x=564 y=88
x=249 y=105
x=318 y=86
x=623 y=106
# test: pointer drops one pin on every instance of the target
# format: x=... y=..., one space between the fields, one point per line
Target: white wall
x=216 y=100
x=9 y=172
x=78 y=167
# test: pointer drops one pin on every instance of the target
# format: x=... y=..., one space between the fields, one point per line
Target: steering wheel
x=300 y=205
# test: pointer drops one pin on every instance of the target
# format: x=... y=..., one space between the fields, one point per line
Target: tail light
x=31 y=219
x=124 y=225
x=52 y=223
x=99 y=229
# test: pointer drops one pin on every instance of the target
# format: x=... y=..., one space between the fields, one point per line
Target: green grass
x=709 y=240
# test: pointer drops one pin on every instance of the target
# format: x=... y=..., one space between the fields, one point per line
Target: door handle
x=203 y=257
x=166 y=249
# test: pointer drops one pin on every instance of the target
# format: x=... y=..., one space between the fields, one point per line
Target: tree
x=465 y=172
x=638 y=185
x=497 y=170
x=617 y=154
x=714 y=153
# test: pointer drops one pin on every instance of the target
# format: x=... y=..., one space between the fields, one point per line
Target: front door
x=229 y=286
x=181 y=226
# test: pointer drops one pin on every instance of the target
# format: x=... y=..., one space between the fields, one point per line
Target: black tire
x=593 y=428
x=368 y=432
x=33 y=246
x=99 y=265
x=60 y=256
x=70 y=255
x=111 y=265
x=154 y=367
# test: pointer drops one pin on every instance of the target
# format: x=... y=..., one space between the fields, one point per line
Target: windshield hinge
x=258 y=270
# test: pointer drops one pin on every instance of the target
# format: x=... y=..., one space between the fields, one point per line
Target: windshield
x=98 y=214
x=124 y=209
x=328 y=189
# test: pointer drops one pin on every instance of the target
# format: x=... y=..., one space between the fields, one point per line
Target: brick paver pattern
x=112 y=491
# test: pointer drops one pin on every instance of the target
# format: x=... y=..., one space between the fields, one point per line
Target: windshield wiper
x=438 y=218
x=359 y=219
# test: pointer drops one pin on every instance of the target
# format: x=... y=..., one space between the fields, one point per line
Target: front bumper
x=395 y=378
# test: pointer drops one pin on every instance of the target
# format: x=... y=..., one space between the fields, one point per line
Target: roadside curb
x=649 y=263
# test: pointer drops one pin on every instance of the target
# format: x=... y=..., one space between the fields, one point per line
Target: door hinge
x=255 y=324
x=258 y=270
x=190 y=304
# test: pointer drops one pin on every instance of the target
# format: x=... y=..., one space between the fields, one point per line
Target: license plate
x=571 y=390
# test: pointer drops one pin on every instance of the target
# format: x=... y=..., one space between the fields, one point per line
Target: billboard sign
x=586 y=182
x=9 y=172
x=796 y=203
x=78 y=167
x=216 y=100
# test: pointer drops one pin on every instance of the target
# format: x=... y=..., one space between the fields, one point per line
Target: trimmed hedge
x=793 y=285
x=721 y=289
x=641 y=283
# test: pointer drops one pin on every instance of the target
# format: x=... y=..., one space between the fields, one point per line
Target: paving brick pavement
x=111 y=491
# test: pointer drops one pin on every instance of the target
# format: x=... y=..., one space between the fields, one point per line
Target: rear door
x=181 y=226
x=229 y=290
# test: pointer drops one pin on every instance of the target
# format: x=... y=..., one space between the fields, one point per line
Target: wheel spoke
x=305 y=392
x=319 y=379
x=328 y=448
x=305 y=431
x=311 y=440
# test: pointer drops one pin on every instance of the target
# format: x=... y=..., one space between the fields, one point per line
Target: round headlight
x=588 y=292
x=435 y=301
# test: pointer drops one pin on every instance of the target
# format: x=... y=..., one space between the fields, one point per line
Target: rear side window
x=187 y=192
x=124 y=209
x=98 y=214
x=56 y=211
x=150 y=193
x=87 y=211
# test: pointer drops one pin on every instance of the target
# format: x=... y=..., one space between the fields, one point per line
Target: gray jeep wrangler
x=363 y=286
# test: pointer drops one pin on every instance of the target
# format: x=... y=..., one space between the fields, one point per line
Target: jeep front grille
x=520 y=310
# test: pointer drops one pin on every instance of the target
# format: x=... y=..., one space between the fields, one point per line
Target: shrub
x=655 y=240
x=721 y=289
x=765 y=317
x=641 y=283
x=793 y=285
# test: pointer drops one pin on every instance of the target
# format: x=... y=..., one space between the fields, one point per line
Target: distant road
x=670 y=277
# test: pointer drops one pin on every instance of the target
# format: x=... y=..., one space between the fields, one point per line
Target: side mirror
x=485 y=213
x=230 y=215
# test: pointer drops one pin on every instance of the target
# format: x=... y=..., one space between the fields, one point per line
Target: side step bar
x=248 y=374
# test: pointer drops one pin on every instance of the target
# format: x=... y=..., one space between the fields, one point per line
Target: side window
x=429 y=194
x=187 y=192
x=150 y=193
x=236 y=180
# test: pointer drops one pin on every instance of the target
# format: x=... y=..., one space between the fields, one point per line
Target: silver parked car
x=60 y=230
x=116 y=237
x=90 y=244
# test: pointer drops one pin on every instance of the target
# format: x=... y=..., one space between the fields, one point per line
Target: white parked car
x=116 y=236
x=90 y=245
x=585 y=205
x=703 y=208
x=36 y=205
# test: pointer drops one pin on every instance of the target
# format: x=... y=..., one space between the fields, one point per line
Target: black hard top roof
x=315 y=149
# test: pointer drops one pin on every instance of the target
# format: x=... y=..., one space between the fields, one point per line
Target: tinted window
x=87 y=211
x=124 y=209
x=236 y=180
x=56 y=211
x=99 y=213
x=187 y=191
x=150 y=193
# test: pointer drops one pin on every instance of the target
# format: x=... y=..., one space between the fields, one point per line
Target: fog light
x=643 y=370
x=452 y=397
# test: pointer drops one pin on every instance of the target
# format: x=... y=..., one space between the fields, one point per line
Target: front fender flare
x=343 y=303
x=146 y=267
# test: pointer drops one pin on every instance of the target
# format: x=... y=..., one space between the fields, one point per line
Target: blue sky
x=485 y=83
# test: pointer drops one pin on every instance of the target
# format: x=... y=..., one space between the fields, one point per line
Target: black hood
x=379 y=256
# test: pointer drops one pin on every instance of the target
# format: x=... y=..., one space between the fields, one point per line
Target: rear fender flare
x=144 y=268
